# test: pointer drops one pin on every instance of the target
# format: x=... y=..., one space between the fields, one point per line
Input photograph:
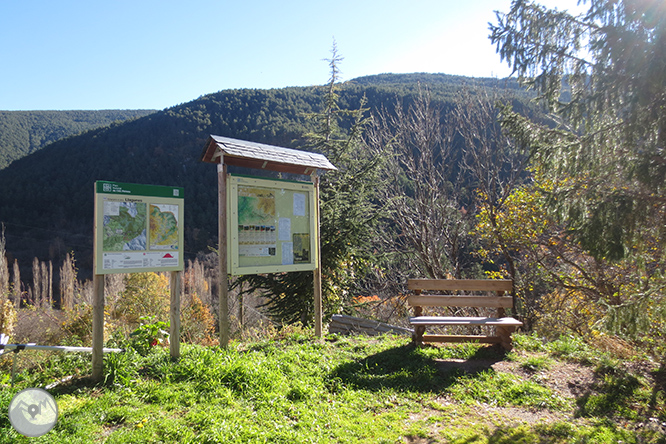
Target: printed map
x=256 y=206
x=124 y=226
x=163 y=227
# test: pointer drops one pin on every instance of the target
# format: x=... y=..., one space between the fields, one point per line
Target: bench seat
x=455 y=320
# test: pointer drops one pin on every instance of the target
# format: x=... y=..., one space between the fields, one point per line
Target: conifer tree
x=601 y=74
x=600 y=160
x=348 y=214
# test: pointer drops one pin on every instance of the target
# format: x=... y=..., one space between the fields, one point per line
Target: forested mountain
x=437 y=81
x=24 y=132
x=47 y=199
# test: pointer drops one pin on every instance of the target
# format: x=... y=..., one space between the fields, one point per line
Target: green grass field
x=297 y=389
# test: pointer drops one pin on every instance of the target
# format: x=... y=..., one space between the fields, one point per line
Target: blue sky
x=150 y=54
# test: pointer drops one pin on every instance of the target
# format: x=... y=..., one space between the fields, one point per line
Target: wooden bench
x=504 y=325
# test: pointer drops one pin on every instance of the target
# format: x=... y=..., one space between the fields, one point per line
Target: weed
x=536 y=363
x=149 y=334
x=528 y=342
x=571 y=348
x=618 y=395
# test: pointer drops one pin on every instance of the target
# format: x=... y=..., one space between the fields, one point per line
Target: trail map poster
x=271 y=225
x=138 y=228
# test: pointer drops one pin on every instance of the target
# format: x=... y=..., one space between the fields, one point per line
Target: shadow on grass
x=409 y=368
x=618 y=394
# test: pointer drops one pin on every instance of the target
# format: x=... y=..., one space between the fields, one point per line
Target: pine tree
x=601 y=74
x=600 y=159
x=348 y=214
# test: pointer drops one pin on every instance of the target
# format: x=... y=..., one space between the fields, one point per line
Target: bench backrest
x=418 y=299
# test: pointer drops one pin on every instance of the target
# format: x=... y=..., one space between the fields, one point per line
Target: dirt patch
x=567 y=380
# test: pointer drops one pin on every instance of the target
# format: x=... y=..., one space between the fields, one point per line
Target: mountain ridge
x=24 y=132
x=47 y=203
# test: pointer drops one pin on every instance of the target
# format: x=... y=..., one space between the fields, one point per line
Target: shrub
x=7 y=317
x=145 y=294
x=76 y=329
x=564 y=312
x=197 y=323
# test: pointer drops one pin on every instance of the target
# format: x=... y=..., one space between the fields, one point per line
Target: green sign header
x=133 y=189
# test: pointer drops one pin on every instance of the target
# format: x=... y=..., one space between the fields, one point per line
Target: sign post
x=223 y=287
x=318 y=299
x=138 y=228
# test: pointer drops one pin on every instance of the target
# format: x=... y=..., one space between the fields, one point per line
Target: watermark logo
x=33 y=412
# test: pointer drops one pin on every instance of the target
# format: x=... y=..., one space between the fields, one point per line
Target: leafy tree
x=496 y=165
x=427 y=222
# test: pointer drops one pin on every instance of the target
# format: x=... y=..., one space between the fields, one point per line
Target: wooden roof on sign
x=261 y=156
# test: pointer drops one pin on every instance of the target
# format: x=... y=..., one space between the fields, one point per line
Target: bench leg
x=504 y=333
x=417 y=336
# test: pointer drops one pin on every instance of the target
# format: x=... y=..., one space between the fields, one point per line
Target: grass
x=339 y=390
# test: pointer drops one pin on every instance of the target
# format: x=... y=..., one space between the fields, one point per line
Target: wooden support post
x=419 y=330
x=223 y=287
x=504 y=335
x=98 y=328
x=499 y=331
x=318 y=304
x=174 y=312
x=241 y=306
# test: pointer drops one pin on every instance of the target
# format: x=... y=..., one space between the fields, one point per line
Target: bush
x=150 y=333
x=145 y=294
x=7 y=317
x=566 y=312
x=197 y=323
x=76 y=329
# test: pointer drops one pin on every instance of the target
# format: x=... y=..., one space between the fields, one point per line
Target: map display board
x=270 y=226
x=138 y=228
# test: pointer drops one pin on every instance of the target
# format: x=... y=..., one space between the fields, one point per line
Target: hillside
x=24 y=132
x=47 y=201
